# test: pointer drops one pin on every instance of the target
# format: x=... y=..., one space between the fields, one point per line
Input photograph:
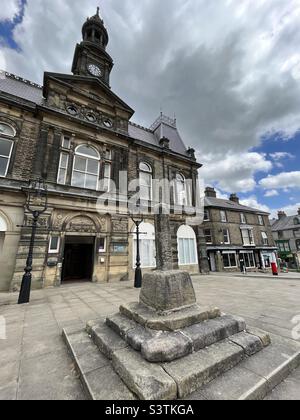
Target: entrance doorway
x=78 y=263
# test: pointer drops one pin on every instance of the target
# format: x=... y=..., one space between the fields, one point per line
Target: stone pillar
x=202 y=251
x=163 y=242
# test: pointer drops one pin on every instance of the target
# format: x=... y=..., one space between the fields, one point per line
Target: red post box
x=274 y=269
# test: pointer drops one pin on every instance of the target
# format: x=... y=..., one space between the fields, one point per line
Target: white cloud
x=233 y=172
x=290 y=210
x=252 y=202
x=9 y=9
x=284 y=180
x=228 y=73
x=272 y=193
x=281 y=155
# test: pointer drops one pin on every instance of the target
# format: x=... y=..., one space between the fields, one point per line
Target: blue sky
x=229 y=92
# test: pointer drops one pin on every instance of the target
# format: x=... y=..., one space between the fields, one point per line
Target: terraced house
x=286 y=232
x=74 y=132
x=236 y=235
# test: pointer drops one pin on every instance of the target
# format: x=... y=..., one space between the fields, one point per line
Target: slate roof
x=230 y=205
x=21 y=88
x=286 y=223
x=163 y=126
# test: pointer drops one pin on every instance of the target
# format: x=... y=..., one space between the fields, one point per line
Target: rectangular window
x=6 y=147
x=66 y=142
x=226 y=236
x=260 y=220
x=2 y=237
x=223 y=216
x=208 y=236
x=243 y=219
x=187 y=251
x=248 y=259
x=102 y=245
x=248 y=238
x=107 y=176
x=265 y=238
x=147 y=253
x=206 y=215
x=63 y=168
x=229 y=260
x=54 y=245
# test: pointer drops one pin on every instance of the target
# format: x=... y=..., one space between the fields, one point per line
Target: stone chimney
x=281 y=215
x=234 y=198
x=210 y=192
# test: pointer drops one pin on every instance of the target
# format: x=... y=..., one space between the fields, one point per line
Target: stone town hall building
x=73 y=132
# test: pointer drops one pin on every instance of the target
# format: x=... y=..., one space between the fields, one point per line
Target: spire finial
x=98 y=11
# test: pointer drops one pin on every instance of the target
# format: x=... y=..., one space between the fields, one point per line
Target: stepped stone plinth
x=166 y=346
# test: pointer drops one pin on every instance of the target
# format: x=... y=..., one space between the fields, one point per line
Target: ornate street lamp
x=138 y=220
x=36 y=204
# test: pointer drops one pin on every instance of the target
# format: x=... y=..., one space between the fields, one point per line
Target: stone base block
x=166 y=291
x=173 y=321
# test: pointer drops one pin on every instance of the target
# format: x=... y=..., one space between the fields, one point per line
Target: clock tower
x=91 y=58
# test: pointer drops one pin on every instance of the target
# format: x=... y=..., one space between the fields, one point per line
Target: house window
x=260 y=220
x=223 y=216
x=226 y=236
x=187 y=246
x=206 y=215
x=284 y=246
x=102 y=245
x=3 y=229
x=243 y=219
x=248 y=259
x=107 y=176
x=145 y=181
x=248 y=238
x=147 y=246
x=66 y=142
x=86 y=168
x=265 y=238
x=229 y=260
x=54 y=244
x=208 y=236
x=6 y=147
x=63 y=168
x=280 y=234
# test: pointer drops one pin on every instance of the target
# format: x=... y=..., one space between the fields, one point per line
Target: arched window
x=297 y=221
x=86 y=168
x=182 y=191
x=145 y=181
x=147 y=246
x=6 y=147
x=3 y=229
x=187 y=246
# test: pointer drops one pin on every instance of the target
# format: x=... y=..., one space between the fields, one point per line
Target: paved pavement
x=34 y=360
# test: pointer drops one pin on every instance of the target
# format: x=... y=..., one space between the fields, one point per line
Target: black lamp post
x=138 y=220
x=36 y=204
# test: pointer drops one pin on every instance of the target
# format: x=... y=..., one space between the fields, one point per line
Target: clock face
x=94 y=70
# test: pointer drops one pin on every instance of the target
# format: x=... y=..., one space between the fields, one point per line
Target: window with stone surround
x=223 y=216
x=208 y=236
x=54 y=244
x=3 y=229
x=248 y=237
x=226 y=236
x=86 y=168
x=206 y=215
x=63 y=168
x=265 y=238
x=243 y=219
x=147 y=246
x=6 y=147
x=145 y=181
x=229 y=260
x=187 y=246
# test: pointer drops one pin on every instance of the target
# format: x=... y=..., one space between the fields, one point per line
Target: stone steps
x=97 y=375
x=221 y=372
x=168 y=346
